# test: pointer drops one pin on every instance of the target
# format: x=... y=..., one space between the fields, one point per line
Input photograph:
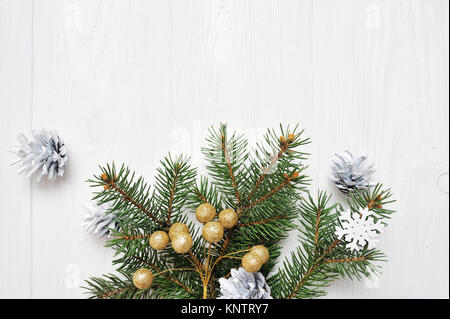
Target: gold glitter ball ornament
x=178 y=228
x=205 y=213
x=143 y=278
x=181 y=242
x=159 y=240
x=212 y=232
x=262 y=252
x=251 y=262
x=228 y=218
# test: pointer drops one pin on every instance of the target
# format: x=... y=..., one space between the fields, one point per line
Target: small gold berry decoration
x=178 y=228
x=262 y=252
x=181 y=242
x=205 y=213
x=228 y=218
x=143 y=278
x=212 y=232
x=251 y=262
x=159 y=240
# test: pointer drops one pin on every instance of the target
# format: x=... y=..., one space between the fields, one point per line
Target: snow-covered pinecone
x=45 y=151
x=350 y=172
x=97 y=221
x=244 y=285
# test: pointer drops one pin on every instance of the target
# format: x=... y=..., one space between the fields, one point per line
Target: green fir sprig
x=267 y=188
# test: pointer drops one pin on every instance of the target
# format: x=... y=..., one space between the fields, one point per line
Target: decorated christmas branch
x=246 y=205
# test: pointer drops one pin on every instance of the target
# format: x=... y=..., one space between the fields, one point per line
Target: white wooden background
x=130 y=80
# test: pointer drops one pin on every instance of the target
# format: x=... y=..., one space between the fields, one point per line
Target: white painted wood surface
x=130 y=80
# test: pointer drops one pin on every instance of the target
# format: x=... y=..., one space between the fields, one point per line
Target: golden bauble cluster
x=159 y=240
x=205 y=213
x=255 y=258
x=181 y=242
x=143 y=278
x=179 y=235
x=178 y=228
x=228 y=218
x=212 y=232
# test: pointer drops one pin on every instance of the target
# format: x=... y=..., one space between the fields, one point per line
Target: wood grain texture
x=16 y=213
x=131 y=80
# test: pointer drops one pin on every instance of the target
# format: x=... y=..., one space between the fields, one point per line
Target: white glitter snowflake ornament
x=358 y=229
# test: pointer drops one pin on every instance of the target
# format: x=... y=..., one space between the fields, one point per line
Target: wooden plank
x=380 y=69
x=101 y=80
x=15 y=117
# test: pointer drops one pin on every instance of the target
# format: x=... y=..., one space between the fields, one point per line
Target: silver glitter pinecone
x=44 y=153
x=244 y=285
x=350 y=172
x=97 y=220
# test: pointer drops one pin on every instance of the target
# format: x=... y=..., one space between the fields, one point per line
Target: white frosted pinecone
x=351 y=172
x=97 y=220
x=244 y=285
x=44 y=153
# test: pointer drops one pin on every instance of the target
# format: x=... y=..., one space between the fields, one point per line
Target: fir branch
x=226 y=242
x=265 y=192
x=112 y=185
x=126 y=237
x=375 y=198
x=173 y=184
x=230 y=169
x=172 y=193
x=226 y=156
x=317 y=264
x=115 y=292
x=264 y=221
x=346 y=260
x=267 y=169
x=200 y=196
x=279 y=155
x=287 y=144
x=287 y=181
x=316 y=237
x=322 y=257
x=204 y=192
x=113 y=287
x=164 y=274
